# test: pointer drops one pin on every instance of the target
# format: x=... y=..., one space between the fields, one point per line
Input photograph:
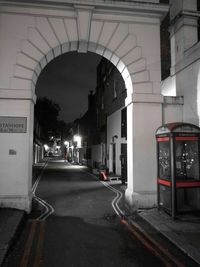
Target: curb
x=166 y=237
x=155 y=247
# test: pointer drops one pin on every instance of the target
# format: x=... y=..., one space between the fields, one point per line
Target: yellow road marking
x=29 y=242
x=38 y=255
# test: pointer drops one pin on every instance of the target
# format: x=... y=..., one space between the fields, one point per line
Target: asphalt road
x=78 y=226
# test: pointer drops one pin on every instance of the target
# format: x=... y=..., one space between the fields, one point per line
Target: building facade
x=111 y=115
x=181 y=88
x=104 y=125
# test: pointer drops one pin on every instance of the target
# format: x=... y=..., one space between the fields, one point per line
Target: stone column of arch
x=32 y=36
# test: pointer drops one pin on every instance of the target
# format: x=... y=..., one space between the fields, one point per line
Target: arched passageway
x=34 y=35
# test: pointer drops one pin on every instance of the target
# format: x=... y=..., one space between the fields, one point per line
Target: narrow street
x=78 y=227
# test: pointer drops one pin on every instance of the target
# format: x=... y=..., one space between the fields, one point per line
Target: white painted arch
x=113 y=41
x=130 y=40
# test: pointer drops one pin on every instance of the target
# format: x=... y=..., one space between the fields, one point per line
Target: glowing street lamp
x=77 y=138
x=66 y=143
x=46 y=147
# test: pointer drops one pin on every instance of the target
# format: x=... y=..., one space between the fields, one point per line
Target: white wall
x=183 y=30
x=187 y=85
x=148 y=82
x=187 y=82
x=147 y=118
x=16 y=170
x=172 y=112
x=172 y=108
x=13 y=29
x=114 y=128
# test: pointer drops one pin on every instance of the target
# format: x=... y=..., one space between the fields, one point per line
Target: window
x=88 y=153
x=165 y=47
x=124 y=123
x=114 y=90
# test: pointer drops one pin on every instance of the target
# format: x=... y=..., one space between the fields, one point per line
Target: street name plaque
x=13 y=124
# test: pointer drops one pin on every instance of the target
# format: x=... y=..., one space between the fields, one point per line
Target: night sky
x=67 y=81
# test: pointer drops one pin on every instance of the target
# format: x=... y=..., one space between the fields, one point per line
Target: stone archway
x=120 y=38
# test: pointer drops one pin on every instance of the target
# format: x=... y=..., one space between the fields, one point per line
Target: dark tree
x=62 y=129
x=47 y=112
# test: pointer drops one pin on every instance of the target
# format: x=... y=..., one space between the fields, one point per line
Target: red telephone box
x=178 y=179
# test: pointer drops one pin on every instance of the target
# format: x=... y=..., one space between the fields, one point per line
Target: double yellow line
x=32 y=256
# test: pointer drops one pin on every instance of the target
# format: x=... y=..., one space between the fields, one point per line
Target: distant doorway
x=123 y=163
x=114 y=158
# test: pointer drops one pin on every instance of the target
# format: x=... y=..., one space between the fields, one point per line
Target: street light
x=46 y=147
x=66 y=143
x=77 y=138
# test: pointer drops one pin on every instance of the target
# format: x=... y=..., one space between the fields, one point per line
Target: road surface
x=78 y=224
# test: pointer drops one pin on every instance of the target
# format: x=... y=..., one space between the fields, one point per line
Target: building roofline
x=135 y=7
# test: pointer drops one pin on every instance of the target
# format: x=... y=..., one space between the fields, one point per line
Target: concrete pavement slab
x=184 y=232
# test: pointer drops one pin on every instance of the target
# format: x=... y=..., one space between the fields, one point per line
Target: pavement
x=11 y=222
x=183 y=232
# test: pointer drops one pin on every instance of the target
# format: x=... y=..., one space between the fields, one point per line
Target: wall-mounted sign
x=13 y=124
x=12 y=152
